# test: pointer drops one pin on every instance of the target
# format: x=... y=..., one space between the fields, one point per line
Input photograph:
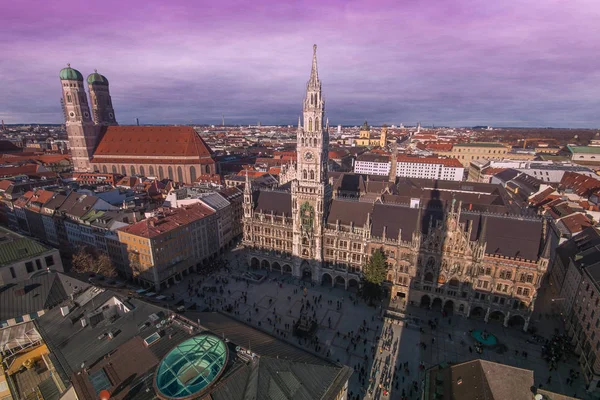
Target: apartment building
x=575 y=279
x=467 y=152
x=448 y=169
x=170 y=244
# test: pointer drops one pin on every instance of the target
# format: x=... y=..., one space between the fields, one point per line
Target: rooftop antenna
x=223 y=119
x=137 y=121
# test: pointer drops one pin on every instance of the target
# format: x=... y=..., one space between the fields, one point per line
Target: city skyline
x=459 y=64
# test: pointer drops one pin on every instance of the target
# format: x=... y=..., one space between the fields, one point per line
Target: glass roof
x=191 y=366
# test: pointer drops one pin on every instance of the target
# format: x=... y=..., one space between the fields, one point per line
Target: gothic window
x=430 y=263
x=104 y=169
x=310 y=126
x=170 y=172
x=132 y=170
x=193 y=174
x=161 y=174
x=151 y=171
x=302 y=141
x=312 y=174
x=179 y=174
x=142 y=171
x=114 y=169
x=317 y=124
x=123 y=170
x=68 y=98
x=304 y=174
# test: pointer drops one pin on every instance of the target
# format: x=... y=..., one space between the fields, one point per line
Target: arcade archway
x=326 y=280
x=425 y=301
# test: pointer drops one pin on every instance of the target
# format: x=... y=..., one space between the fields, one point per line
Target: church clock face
x=308 y=156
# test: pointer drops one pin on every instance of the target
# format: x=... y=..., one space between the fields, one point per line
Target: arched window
x=310 y=124
x=114 y=169
x=312 y=174
x=430 y=263
x=161 y=173
x=193 y=174
x=142 y=171
x=302 y=141
x=104 y=169
x=304 y=174
x=180 y=174
x=132 y=170
x=151 y=170
x=316 y=124
x=123 y=170
x=170 y=172
x=207 y=169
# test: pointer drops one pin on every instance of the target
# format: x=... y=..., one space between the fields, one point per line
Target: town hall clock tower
x=311 y=193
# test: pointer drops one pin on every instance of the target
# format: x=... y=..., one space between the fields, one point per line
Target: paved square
x=381 y=351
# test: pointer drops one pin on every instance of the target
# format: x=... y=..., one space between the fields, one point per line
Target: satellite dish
x=104 y=395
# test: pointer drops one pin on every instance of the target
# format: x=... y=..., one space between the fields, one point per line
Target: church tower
x=311 y=192
x=82 y=134
x=383 y=137
x=102 y=108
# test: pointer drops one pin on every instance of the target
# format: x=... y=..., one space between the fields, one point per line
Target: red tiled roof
x=438 y=146
x=575 y=223
x=582 y=185
x=23 y=200
x=129 y=181
x=5 y=184
x=120 y=142
x=214 y=178
x=25 y=169
x=274 y=170
x=337 y=154
x=167 y=220
x=251 y=174
x=542 y=197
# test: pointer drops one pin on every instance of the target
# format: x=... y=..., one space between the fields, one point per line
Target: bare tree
x=88 y=259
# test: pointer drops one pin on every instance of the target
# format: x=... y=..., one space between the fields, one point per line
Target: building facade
x=98 y=144
x=448 y=169
x=170 y=244
x=467 y=152
x=441 y=255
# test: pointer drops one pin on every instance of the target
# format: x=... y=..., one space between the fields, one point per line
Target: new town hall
x=450 y=245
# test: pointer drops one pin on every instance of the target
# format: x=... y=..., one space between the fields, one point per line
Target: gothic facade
x=473 y=259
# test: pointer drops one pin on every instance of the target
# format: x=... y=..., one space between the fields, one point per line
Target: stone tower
x=82 y=134
x=310 y=191
x=365 y=131
x=383 y=137
x=102 y=108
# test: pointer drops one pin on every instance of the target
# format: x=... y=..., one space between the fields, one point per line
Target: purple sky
x=453 y=62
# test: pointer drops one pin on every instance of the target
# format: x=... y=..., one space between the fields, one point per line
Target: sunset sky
x=443 y=62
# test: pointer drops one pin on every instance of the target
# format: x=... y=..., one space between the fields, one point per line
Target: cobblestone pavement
x=275 y=303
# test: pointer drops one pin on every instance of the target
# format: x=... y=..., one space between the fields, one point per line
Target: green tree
x=374 y=274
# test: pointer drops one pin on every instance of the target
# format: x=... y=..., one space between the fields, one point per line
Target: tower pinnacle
x=314 y=73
